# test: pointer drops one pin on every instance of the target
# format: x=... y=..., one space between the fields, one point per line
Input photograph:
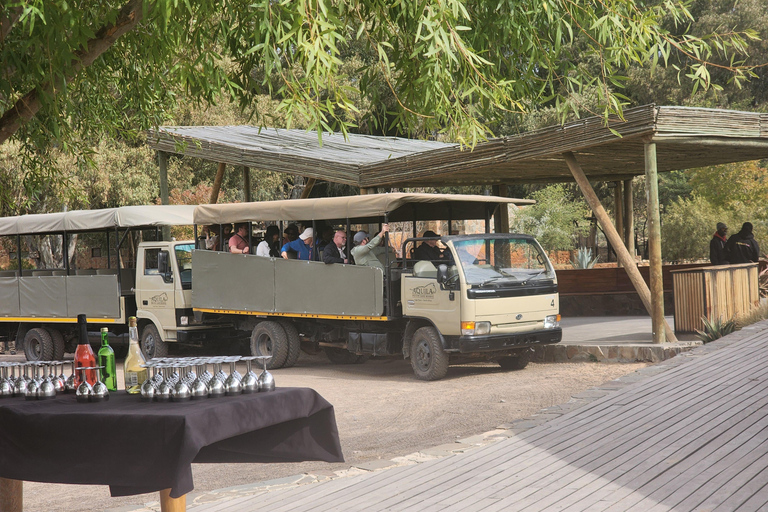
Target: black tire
x=152 y=345
x=428 y=359
x=269 y=339
x=59 y=347
x=515 y=362
x=340 y=355
x=362 y=358
x=38 y=345
x=294 y=343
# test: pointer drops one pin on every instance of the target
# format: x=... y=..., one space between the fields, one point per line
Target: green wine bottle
x=107 y=362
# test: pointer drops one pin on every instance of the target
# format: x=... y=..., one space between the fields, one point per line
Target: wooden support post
x=246 y=184
x=162 y=159
x=217 y=183
x=364 y=191
x=629 y=218
x=308 y=188
x=168 y=504
x=654 y=242
x=618 y=197
x=613 y=237
x=501 y=219
x=11 y=495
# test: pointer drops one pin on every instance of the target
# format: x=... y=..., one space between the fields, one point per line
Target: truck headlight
x=552 y=321
x=475 y=328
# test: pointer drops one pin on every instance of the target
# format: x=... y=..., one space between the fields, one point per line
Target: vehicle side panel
x=43 y=296
x=9 y=296
x=423 y=297
x=96 y=296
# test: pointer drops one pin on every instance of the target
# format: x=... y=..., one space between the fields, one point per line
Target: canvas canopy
x=90 y=220
x=395 y=206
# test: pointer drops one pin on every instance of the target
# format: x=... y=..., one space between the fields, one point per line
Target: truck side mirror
x=162 y=266
x=442 y=273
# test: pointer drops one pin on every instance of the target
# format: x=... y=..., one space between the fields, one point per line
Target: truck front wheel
x=428 y=359
x=151 y=344
x=38 y=345
x=269 y=339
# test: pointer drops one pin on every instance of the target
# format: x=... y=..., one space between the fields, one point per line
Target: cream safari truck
x=124 y=252
x=492 y=297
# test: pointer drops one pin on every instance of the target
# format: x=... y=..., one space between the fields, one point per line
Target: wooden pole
x=11 y=495
x=246 y=184
x=162 y=158
x=217 y=183
x=308 y=188
x=501 y=219
x=618 y=200
x=654 y=242
x=168 y=504
x=613 y=237
x=629 y=218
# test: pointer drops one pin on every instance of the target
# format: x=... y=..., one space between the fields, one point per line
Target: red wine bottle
x=84 y=356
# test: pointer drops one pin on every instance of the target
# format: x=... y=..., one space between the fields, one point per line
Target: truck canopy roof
x=396 y=206
x=91 y=220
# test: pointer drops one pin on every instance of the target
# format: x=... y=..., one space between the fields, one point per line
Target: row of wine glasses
x=193 y=378
x=37 y=380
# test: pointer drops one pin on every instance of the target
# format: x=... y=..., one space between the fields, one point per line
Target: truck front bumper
x=494 y=342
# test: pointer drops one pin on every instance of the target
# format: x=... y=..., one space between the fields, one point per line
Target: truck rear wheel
x=428 y=359
x=294 y=343
x=38 y=345
x=516 y=361
x=151 y=344
x=58 y=344
x=269 y=339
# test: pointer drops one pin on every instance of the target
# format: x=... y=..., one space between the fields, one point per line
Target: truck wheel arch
x=147 y=329
x=413 y=325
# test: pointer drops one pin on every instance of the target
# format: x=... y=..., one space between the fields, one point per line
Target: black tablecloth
x=137 y=447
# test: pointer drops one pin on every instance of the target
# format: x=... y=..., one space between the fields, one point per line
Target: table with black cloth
x=137 y=447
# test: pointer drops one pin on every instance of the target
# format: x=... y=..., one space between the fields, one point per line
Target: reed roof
x=685 y=138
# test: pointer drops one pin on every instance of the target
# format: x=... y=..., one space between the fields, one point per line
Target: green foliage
x=584 y=258
x=555 y=220
x=421 y=67
x=687 y=228
x=715 y=329
x=734 y=186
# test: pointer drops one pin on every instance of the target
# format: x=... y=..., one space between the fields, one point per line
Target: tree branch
x=28 y=105
x=7 y=23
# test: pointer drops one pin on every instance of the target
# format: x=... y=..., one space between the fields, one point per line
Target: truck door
x=422 y=296
x=155 y=297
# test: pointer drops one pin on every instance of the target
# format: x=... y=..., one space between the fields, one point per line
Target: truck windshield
x=184 y=261
x=502 y=261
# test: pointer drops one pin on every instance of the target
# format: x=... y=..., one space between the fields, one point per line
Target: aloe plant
x=715 y=329
x=584 y=258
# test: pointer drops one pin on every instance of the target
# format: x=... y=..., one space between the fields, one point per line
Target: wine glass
x=250 y=379
x=148 y=387
x=200 y=385
x=32 y=386
x=181 y=391
x=266 y=380
x=216 y=387
x=232 y=385
x=59 y=381
x=163 y=393
x=47 y=388
x=70 y=383
x=6 y=384
x=84 y=390
x=20 y=386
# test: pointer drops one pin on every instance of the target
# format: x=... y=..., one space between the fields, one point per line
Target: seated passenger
x=238 y=243
x=366 y=250
x=428 y=249
x=326 y=237
x=270 y=246
x=334 y=252
x=302 y=246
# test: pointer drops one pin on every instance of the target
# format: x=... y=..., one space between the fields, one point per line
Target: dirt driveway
x=382 y=412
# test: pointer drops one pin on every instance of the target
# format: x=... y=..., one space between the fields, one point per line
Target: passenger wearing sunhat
x=363 y=251
x=302 y=246
x=428 y=250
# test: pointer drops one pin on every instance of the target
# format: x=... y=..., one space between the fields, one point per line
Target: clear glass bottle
x=135 y=375
x=84 y=355
x=107 y=361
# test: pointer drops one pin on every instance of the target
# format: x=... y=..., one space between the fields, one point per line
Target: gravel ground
x=382 y=412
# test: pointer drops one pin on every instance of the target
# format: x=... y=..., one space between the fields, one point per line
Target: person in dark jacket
x=717 y=254
x=428 y=250
x=742 y=247
x=334 y=252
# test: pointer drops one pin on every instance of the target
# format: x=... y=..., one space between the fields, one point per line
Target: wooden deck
x=693 y=437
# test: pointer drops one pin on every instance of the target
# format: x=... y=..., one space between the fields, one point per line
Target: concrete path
x=690 y=433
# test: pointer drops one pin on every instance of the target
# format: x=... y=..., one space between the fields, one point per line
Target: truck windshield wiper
x=534 y=276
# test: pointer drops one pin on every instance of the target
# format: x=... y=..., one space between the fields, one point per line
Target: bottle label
x=132 y=378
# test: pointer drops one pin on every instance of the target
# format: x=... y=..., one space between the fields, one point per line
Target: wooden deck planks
x=691 y=437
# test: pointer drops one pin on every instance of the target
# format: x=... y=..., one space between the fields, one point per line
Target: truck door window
x=150 y=262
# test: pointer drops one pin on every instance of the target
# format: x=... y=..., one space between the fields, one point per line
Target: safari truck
x=39 y=304
x=492 y=296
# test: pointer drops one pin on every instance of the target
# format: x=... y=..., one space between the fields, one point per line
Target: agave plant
x=716 y=328
x=584 y=258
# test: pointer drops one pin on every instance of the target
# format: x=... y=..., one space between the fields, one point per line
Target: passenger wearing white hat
x=363 y=251
x=302 y=246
